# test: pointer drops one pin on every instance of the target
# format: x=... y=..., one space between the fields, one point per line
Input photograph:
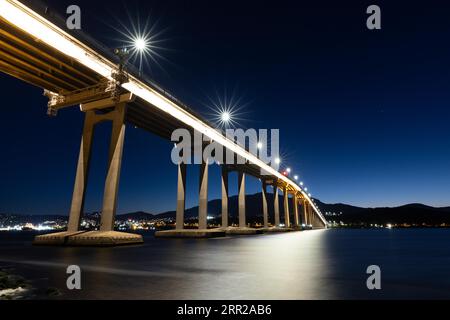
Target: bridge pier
x=276 y=206
x=305 y=213
x=106 y=236
x=224 y=176
x=241 y=199
x=310 y=215
x=295 y=206
x=242 y=229
x=181 y=196
x=202 y=231
x=264 y=205
x=203 y=197
x=114 y=166
x=287 y=222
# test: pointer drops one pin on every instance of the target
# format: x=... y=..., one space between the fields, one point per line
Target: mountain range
x=414 y=213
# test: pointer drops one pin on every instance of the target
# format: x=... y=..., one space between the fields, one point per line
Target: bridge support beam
x=310 y=215
x=286 y=208
x=264 y=205
x=115 y=112
x=114 y=166
x=203 y=197
x=224 y=175
x=79 y=190
x=276 y=206
x=305 y=213
x=181 y=196
x=295 y=206
x=241 y=199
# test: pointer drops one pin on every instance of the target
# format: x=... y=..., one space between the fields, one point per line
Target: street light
x=277 y=160
x=288 y=170
x=225 y=116
x=259 y=145
x=140 y=44
x=296 y=177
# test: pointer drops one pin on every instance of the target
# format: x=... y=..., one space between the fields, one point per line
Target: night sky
x=363 y=115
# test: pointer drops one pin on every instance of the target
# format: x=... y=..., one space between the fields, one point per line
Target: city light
x=259 y=145
x=301 y=183
x=296 y=177
x=277 y=160
x=288 y=170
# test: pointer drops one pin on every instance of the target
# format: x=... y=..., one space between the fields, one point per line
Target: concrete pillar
x=79 y=189
x=181 y=196
x=241 y=199
x=114 y=165
x=295 y=206
x=276 y=206
x=224 y=197
x=286 y=208
x=203 y=197
x=310 y=215
x=264 y=205
x=305 y=212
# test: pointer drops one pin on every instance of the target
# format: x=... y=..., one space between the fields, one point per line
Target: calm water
x=322 y=264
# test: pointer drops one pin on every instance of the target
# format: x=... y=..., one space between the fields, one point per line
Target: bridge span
x=74 y=70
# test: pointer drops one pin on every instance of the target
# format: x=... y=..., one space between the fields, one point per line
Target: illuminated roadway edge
x=29 y=21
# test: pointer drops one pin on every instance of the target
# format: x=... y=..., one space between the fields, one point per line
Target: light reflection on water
x=319 y=264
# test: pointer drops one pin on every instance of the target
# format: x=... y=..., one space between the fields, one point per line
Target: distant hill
x=414 y=213
x=138 y=215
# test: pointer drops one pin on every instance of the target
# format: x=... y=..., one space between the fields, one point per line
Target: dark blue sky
x=363 y=115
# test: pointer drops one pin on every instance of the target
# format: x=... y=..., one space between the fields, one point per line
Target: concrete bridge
x=74 y=70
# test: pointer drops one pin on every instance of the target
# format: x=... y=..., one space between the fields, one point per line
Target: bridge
x=73 y=70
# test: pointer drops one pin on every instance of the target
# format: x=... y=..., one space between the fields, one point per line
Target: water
x=320 y=264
